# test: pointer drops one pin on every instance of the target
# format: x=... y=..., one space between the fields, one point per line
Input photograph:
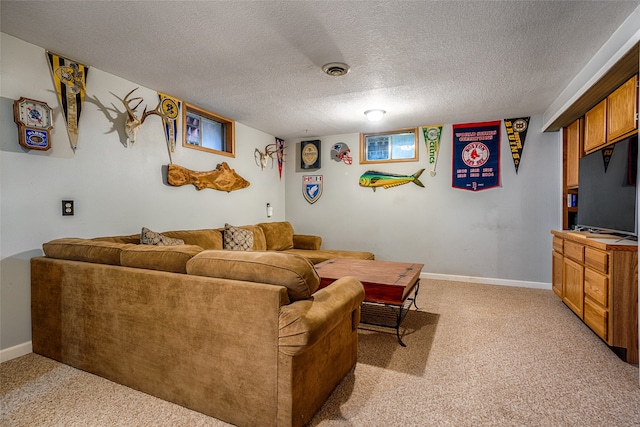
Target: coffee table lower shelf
x=388 y=315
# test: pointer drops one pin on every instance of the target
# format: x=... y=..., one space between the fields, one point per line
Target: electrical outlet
x=67 y=207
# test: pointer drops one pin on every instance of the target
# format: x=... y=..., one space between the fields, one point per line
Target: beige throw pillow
x=148 y=237
x=236 y=238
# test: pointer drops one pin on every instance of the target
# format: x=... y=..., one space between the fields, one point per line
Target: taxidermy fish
x=222 y=178
x=375 y=179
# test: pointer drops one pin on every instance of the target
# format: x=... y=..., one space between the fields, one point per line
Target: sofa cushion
x=236 y=238
x=259 y=243
x=294 y=272
x=279 y=235
x=132 y=238
x=205 y=238
x=326 y=254
x=85 y=250
x=148 y=237
x=162 y=258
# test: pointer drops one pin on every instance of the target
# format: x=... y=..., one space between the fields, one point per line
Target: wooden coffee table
x=387 y=284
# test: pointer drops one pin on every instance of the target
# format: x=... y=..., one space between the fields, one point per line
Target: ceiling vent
x=336 y=69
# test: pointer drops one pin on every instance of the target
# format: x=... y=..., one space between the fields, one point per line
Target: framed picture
x=310 y=154
x=207 y=131
x=389 y=147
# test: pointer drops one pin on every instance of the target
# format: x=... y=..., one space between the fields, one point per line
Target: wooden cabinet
x=599 y=282
x=574 y=148
x=572 y=285
x=613 y=119
x=595 y=127
x=622 y=107
x=557 y=267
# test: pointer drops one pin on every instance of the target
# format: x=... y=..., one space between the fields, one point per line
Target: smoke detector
x=336 y=69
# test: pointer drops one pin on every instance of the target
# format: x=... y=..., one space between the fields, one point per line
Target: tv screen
x=607 y=188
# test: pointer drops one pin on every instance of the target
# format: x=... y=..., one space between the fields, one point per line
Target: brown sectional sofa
x=268 y=236
x=243 y=336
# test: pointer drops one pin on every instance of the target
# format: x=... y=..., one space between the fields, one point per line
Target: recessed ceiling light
x=374 y=115
x=336 y=69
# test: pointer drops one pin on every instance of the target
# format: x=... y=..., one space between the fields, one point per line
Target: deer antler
x=132 y=122
x=157 y=111
x=268 y=153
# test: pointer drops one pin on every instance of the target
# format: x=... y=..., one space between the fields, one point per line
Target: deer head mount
x=133 y=123
x=261 y=157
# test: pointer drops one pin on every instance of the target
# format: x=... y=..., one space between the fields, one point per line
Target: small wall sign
x=312 y=187
x=35 y=121
x=310 y=154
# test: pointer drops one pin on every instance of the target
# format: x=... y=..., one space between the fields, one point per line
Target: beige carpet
x=476 y=355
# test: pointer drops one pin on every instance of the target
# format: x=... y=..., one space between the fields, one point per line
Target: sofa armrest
x=303 y=323
x=306 y=241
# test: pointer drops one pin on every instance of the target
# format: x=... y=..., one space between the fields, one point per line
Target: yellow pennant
x=170 y=116
x=70 y=81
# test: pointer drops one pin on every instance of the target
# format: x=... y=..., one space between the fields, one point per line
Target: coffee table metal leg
x=374 y=316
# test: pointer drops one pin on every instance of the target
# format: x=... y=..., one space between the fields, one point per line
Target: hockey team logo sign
x=312 y=187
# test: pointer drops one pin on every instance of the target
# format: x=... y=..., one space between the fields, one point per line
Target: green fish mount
x=385 y=180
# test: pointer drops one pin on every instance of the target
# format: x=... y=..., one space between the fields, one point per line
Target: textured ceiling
x=260 y=62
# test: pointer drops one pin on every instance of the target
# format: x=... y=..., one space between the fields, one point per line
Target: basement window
x=389 y=147
x=207 y=131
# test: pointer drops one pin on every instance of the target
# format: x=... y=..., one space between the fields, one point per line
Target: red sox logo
x=475 y=154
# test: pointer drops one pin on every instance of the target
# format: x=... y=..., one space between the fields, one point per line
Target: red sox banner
x=476 y=155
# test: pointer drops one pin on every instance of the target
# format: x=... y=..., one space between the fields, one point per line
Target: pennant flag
x=170 y=116
x=70 y=80
x=432 y=141
x=280 y=154
x=476 y=155
x=607 y=152
x=516 y=133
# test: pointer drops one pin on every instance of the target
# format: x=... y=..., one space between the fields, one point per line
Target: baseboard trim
x=15 y=351
x=486 y=280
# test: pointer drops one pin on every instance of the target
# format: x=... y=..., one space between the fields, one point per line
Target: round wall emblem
x=432 y=134
x=170 y=108
x=475 y=154
x=520 y=125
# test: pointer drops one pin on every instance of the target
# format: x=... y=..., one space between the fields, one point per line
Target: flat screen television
x=607 y=196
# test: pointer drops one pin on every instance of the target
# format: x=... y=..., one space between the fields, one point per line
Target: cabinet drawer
x=596 y=287
x=597 y=319
x=558 y=244
x=596 y=259
x=574 y=250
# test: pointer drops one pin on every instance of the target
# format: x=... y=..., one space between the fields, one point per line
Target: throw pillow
x=237 y=239
x=279 y=235
x=148 y=237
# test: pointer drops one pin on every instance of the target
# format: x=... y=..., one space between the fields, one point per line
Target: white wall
x=116 y=190
x=501 y=233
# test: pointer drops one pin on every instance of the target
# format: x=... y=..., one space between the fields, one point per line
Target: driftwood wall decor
x=222 y=178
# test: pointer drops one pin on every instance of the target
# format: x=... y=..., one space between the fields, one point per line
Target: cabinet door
x=621 y=110
x=572 y=285
x=574 y=147
x=595 y=127
x=556 y=267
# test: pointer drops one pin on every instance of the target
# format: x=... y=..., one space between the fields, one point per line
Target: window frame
x=228 y=127
x=364 y=159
